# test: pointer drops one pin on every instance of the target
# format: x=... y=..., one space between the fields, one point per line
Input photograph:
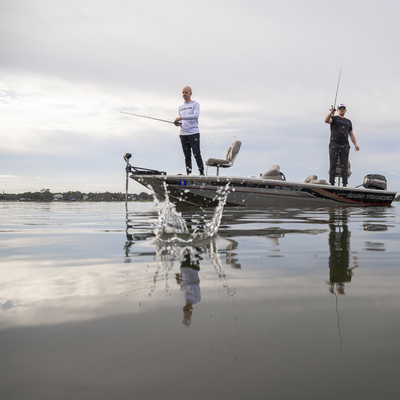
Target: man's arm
x=354 y=140
x=196 y=113
x=328 y=118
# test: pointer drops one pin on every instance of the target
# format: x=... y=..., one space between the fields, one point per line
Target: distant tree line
x=46 y=195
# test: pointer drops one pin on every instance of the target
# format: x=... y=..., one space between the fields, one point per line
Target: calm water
x=279 y=304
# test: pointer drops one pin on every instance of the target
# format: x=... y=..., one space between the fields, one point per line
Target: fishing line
x=302 y=133
x=308 y=123
x=298 y=139
x=338 y=320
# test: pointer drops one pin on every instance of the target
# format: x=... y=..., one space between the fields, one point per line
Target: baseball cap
x=342 y=105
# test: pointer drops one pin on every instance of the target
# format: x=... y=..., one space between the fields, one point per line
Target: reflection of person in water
x=339 y=259
x=189 y=281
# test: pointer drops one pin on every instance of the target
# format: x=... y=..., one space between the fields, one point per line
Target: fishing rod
x=157 y=119
x=337 y=89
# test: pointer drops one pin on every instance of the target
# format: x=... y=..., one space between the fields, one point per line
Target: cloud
x=264 y=73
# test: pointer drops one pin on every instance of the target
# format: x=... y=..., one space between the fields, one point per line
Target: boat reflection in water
x=190 y=250
x=92 y=308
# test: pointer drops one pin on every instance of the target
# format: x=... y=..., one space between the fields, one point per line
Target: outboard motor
x=375 y=181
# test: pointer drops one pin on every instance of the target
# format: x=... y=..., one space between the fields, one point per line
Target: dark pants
x=336 y=151
x=192 y=143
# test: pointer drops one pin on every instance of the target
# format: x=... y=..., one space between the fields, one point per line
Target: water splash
x=171 y=226
x=212 y=226
x=170 y=222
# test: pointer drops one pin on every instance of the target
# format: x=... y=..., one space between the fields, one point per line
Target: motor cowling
x=375 y=181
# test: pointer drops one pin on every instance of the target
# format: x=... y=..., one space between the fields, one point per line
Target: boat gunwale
x=257 y=181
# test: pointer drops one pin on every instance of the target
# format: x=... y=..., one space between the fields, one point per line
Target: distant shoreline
x=45 y=195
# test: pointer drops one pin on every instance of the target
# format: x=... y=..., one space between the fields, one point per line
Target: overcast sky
x=264 y=72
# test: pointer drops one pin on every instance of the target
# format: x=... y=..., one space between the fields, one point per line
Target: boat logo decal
x=182 y=183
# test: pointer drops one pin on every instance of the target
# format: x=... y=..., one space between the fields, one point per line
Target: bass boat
x=271 y=188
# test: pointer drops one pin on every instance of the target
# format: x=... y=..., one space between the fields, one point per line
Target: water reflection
x=231 y=256
x=190 y=258
x=190 y=253
x=342 y=262
x=189 y=282
x=374 y=246
x=340 y=271
x=77 y=320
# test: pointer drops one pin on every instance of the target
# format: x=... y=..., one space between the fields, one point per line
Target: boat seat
x=338 y=172
x=310 y=178
x=339 y=169
x=320 y=182
x=231 y=155
x=274 y=173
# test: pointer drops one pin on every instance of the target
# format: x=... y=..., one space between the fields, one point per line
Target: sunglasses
x=342 y=108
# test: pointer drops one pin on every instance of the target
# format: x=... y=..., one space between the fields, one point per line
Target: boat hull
x=202 y=191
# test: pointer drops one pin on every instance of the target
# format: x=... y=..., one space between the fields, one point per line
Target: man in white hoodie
x=188 y=120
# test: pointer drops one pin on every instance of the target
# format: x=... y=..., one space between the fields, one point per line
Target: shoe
x=202 y=174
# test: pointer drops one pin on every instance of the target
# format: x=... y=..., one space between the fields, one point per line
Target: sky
x=264 y=72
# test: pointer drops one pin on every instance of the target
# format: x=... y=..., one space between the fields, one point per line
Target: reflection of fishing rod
x=338 y=320
x=157 y=119
x=337 y=89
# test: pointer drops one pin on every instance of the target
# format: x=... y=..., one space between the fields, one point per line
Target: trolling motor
x=140 y=170
x=128 y=167
x=136 y=171
x=127 y=156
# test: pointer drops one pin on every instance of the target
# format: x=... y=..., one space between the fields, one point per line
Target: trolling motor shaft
x=127 y=156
